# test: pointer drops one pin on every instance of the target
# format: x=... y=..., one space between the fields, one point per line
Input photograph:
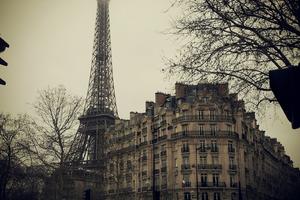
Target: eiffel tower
x=100 y=110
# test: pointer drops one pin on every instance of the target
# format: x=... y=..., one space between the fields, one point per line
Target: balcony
x=161 y=138
x=164 y=186
x=126 y=190
x=163 y=169
x=144 y=173
x=185 y=150
x=186 y=184
x=185 y=167
x=163 y=153
x=111 y=191
x=144 y=158
x=232 y=167
x=211 y=184
x=144 y=130
x=203 y=118
x=231 y=150
x=204 y=134
x=202 y=149
x=233 y=185
x=214 y=149
x=143 y=144
x=210 y=166
x=163 y=122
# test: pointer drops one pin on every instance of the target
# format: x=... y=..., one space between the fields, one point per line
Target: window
x=163 y=148
x=204 y=196
x=217 y=196
x=201 y=129
x=111 y=167
x=187 y=196
x=202 y=145
x=121 y=165
x=176 y=164
x=184 y=129
x=215 y=179
x=205 y=99
x=201 y=114
x=186 y=180
x=232 y=180
x=230 y=146
x=227 y=114
x=203 y=179
x=233 y=196
x=203 y=160
x=144 y=153
x=231 y=162
x=164 y=180
x=129 y=165
x=214 y=146
x=163 y=163
x=215 y=160
x=185 y=147
x=144 y=138
x=184 y=114
x=212 y=115
x=229 y=128
x=213 y=129
x=186 y=160
x=162 y=132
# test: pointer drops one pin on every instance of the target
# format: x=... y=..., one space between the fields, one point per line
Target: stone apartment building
x=201 y=142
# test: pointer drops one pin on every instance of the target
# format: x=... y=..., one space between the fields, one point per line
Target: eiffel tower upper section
x=101 y=98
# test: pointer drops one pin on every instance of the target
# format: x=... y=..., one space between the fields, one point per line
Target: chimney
x=160 y=98
x=180 y=90
x=223 y=89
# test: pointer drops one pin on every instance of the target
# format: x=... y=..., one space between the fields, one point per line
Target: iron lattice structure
x=100 y=110
x=101 y=93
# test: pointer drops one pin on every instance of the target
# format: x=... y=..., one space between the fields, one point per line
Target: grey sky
x=51 y=44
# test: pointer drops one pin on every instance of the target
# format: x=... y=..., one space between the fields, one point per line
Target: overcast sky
x=51 y=44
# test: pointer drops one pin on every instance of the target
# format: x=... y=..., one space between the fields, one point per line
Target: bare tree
x=14 y=157
x=52 y=131
x=55 y=126
x=237 y=41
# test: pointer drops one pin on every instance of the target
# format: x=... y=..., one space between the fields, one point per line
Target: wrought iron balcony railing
x=161 y=138
x=209 y=166
x=203 y=118
x=163 y=153
x=186 y=184
x=185 y=166
x=144 y=158
x=185 y=150
x=143 y=144
x=211 y=184
x=205 y=134
x=163 y=169
x=232 y=167
x=231 y=149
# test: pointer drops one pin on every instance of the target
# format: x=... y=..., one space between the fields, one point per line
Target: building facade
x=198 y=144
